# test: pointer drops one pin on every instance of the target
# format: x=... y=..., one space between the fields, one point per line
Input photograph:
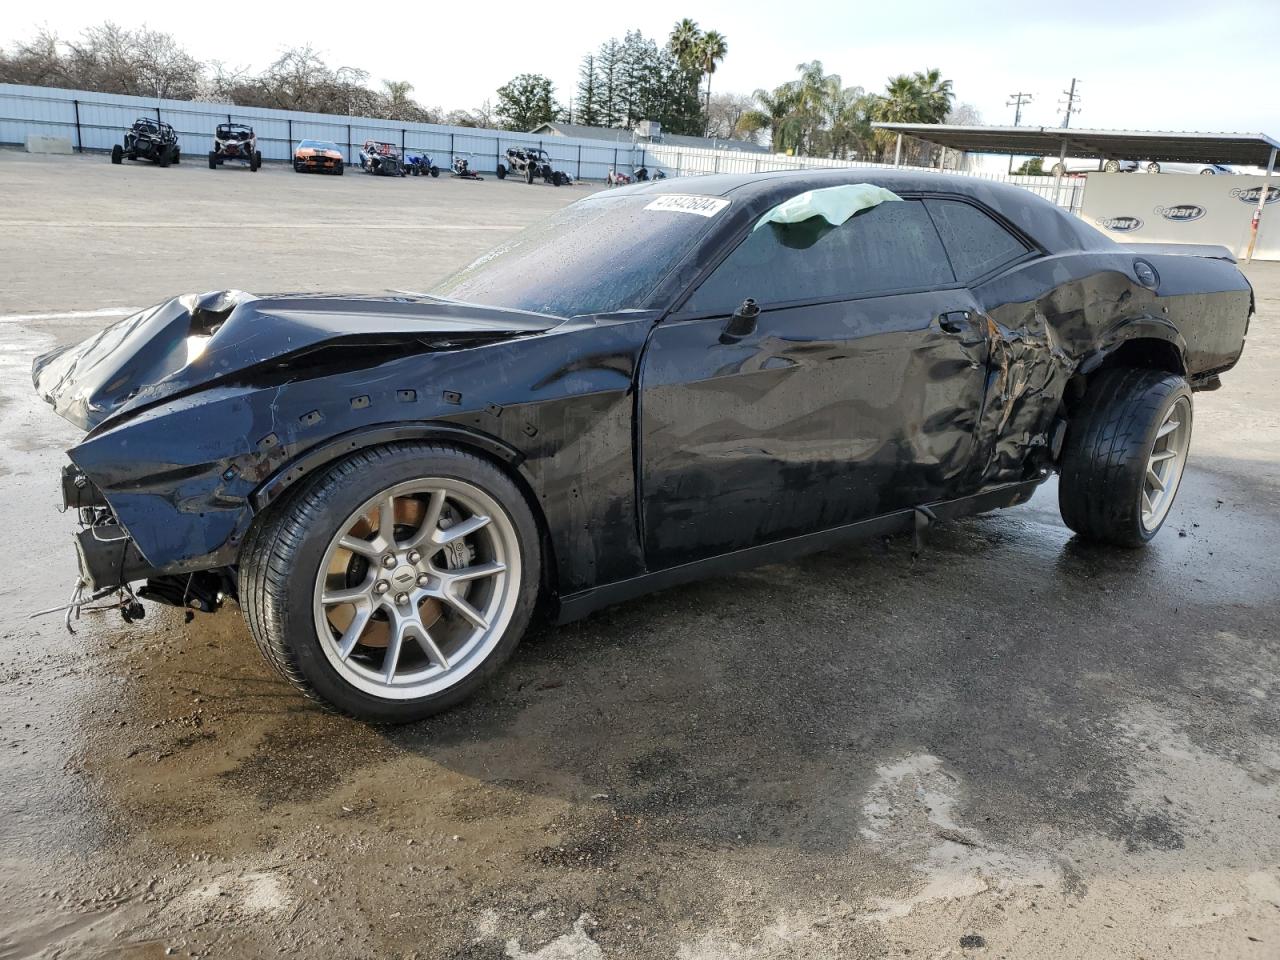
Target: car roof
x=1052 y=228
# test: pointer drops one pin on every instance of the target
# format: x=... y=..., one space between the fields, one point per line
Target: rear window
x=890 y=247
x=976 y=243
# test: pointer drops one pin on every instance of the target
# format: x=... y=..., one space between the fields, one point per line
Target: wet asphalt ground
x=1014 y=745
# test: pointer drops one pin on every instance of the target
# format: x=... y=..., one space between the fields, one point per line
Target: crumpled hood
x=196 y=340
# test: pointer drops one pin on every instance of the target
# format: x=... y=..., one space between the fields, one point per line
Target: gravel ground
x=1014 y=745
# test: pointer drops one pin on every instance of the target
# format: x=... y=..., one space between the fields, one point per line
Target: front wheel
x=1124 y=455
x=396 y=582
x=1058 y=170
x=213 y=160
x=117 y=154
x=502 y=171
x=1153 y=167
x=1111 y=166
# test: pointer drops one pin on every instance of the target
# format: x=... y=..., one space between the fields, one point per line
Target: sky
x=1171 y=65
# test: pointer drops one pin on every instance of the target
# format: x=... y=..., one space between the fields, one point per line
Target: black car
x=648 y=387
x=532 y=163
x=150 y=140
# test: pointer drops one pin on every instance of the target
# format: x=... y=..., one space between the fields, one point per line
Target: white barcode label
x=686 y=203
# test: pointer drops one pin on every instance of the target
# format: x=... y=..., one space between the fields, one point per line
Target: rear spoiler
x=1210 y=251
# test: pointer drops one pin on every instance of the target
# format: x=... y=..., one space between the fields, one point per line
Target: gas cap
x=1146 y=274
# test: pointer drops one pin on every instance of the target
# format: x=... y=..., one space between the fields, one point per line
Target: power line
x=1070 y=106
x=1016 y=100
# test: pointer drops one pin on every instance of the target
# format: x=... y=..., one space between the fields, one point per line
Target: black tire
x=163 y=158
x=297 y=167
x=176 y=155
x=1109 y=440
x=117 y=154
x=502 y=171
x=338 y=170
x=213 y=160
x=435 y=171
x=528 y=174
x=287 y=543
x=255 y=162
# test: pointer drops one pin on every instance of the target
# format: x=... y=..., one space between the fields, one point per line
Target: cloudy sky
x=1171 y=65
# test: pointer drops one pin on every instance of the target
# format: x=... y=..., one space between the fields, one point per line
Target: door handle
x=953 y=321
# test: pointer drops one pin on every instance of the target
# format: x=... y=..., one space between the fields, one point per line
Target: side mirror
x=742 y=323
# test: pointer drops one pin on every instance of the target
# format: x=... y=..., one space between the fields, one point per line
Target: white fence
x=96 y=121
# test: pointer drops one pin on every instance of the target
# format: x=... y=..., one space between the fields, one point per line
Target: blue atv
x=420 y=165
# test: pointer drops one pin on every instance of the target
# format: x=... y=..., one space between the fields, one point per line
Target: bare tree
x=724 y=120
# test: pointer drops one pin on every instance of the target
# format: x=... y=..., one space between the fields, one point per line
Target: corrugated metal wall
x=96 y=121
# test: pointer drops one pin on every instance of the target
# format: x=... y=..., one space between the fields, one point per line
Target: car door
x=853 y=393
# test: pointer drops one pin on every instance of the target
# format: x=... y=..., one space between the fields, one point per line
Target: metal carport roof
x=1243 y=148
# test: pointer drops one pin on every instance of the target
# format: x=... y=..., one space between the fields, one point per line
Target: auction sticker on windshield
x=684 y=203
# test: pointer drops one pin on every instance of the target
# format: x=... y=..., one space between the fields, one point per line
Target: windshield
x=317 y=145
x=599 y=255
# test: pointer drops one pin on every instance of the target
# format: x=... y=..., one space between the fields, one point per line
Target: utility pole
x=1017 y=100
x=1070 y=104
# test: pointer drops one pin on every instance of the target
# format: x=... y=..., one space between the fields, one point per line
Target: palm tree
x=683 y=43
x=777 y=107
x=935 y=93
x=712 y=49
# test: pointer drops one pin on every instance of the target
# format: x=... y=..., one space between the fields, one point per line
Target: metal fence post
x=497 y=152
x=451 y=147
x=615 y=158
x=290 y=122
x=578 y=173
x=79 y=138
x=349 y=160
x=157 y=114
x=402 y=143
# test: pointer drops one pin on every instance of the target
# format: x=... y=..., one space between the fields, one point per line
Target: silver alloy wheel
x=417 y=587
x=1165 y=464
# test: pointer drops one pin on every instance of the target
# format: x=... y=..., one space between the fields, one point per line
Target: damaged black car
x=661 y=382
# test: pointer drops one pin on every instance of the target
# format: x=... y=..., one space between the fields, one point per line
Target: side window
x=892 y=246
x=976 y=243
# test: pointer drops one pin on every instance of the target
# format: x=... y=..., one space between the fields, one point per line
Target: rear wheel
x=1124 y=455
x=163 y=158
x=435 y=171
x=396 y=582
x=117 y=154
x=176 y=155
x=1058 y=170
x=1111 y=166
x=1153 y=167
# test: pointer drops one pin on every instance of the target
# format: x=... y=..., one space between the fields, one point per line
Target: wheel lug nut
x=402 y=599
x=423 y=579
x=414 y=556
x=389 y=561
x=381 y=587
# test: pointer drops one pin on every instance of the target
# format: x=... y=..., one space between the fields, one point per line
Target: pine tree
x=609 y=65
x=589 y=104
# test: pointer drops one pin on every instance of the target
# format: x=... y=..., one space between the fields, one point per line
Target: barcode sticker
x=686 y=203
